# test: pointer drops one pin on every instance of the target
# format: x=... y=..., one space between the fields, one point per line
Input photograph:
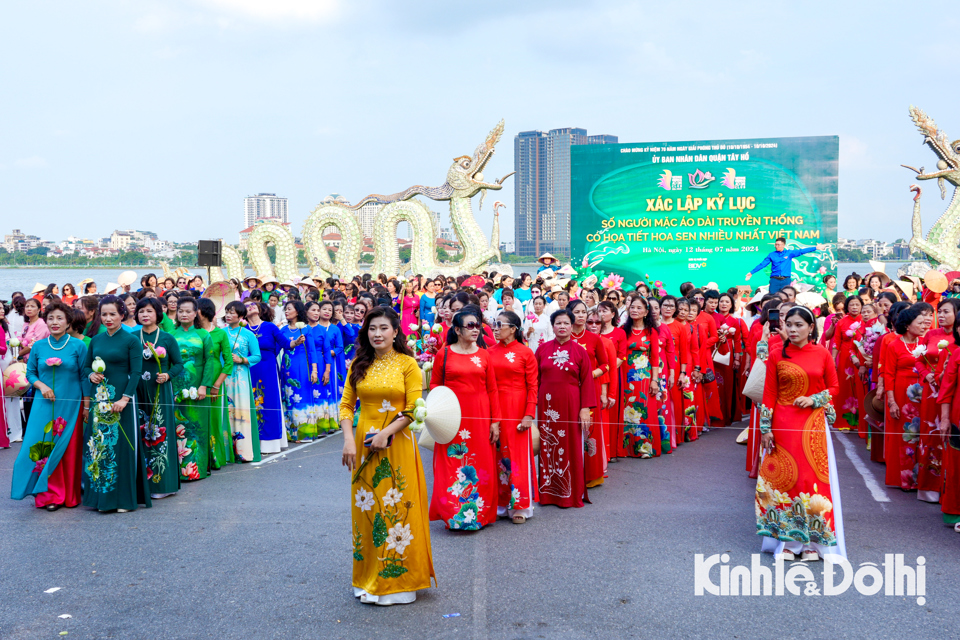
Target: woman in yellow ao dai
x=390 y=528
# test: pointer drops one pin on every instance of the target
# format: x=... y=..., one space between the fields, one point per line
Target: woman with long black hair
x=797 y=500
x=392 y=558
x=515 y=368
x=465 y=477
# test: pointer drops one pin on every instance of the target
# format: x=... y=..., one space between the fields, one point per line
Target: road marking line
x=873 y=486
x=480 y=631
x=283 y=454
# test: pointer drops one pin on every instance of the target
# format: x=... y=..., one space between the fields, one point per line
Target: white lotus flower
x=194 y=394
x=99 y=366
x=364 y=499
x=385 y=406
x=919 y=351
x=464 y=434
x=942 y=345
x=399 y=538
x=419 y=414
x=414 y=327
x=392 y=497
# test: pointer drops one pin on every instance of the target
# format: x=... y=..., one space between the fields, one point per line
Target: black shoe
x=53 y=507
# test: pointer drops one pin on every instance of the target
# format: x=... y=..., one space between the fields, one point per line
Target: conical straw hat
x=127 y=278
x=443 y=414
x=535 y=439
x=425 y=440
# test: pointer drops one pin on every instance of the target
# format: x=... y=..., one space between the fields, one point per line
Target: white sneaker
x=788 y=556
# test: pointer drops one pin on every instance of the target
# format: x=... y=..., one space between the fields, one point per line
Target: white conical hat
x=127 y=278
x=443 y=414
x=535 y=439
x=425 y=440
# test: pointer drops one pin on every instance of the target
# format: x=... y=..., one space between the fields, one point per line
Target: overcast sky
x=164 y=115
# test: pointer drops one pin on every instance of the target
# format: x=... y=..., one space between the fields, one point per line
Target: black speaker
x=208 y=253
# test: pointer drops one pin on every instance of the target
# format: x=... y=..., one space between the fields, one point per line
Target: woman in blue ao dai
x=329 y=342
x=265 y=377
x=298 y=373
x=239 y=391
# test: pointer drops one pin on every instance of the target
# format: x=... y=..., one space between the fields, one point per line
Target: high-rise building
x=264 y=205
x=542 y=192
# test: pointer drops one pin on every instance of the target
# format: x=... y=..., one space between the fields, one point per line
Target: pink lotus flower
x=54 y=362
x=531 y=316
x=41 y=463
x=181 y=432
x=851 y=404
x=58 y=426
x=161 y=352
x=190 y=472
x=849 y=333
x=183 y=451
x=612 y=281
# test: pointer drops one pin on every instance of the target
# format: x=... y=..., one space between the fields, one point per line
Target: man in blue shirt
x=780 y=262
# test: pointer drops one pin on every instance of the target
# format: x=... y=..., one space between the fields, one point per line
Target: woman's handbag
x=721 y=358
x=753 y=388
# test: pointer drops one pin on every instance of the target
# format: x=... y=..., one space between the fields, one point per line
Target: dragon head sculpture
x=949 y=152
x=465 y=176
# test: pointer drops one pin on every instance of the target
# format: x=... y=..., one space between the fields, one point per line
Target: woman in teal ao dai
x=155 y=413
x=298 y=374
x=114 y=469
x=191 y=407
x=238 y=388
x=48 y=465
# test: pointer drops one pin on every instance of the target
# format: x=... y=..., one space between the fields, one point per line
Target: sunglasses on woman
x=471 y=326
x=500 y=325
x=593 y=322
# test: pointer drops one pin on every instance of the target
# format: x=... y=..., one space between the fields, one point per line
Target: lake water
x=25 y=279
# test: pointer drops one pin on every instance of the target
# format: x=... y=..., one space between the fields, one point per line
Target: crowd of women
x=556 y=380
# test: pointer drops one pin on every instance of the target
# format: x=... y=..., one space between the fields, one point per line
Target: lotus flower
x=161 y=352
x=942 y=345
x=14 y=342
x=919 y=351
x=436 y=328
x=301 y=325
x=612 y=281
x=414 y=327
x=54 y=362
x=427 y=366
x=194 y=394
x=531 y=317
x=58 y=426
x=99 y=366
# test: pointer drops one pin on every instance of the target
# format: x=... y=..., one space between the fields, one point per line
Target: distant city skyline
x=542 y=189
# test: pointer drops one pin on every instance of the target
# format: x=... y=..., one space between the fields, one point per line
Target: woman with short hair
x=265 y=377
x=241 y=424
x=155 y=404
x=193 y=408
x=566 y=396
x=48 y=463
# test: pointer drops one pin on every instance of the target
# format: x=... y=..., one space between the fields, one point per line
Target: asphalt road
x=264 y=552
